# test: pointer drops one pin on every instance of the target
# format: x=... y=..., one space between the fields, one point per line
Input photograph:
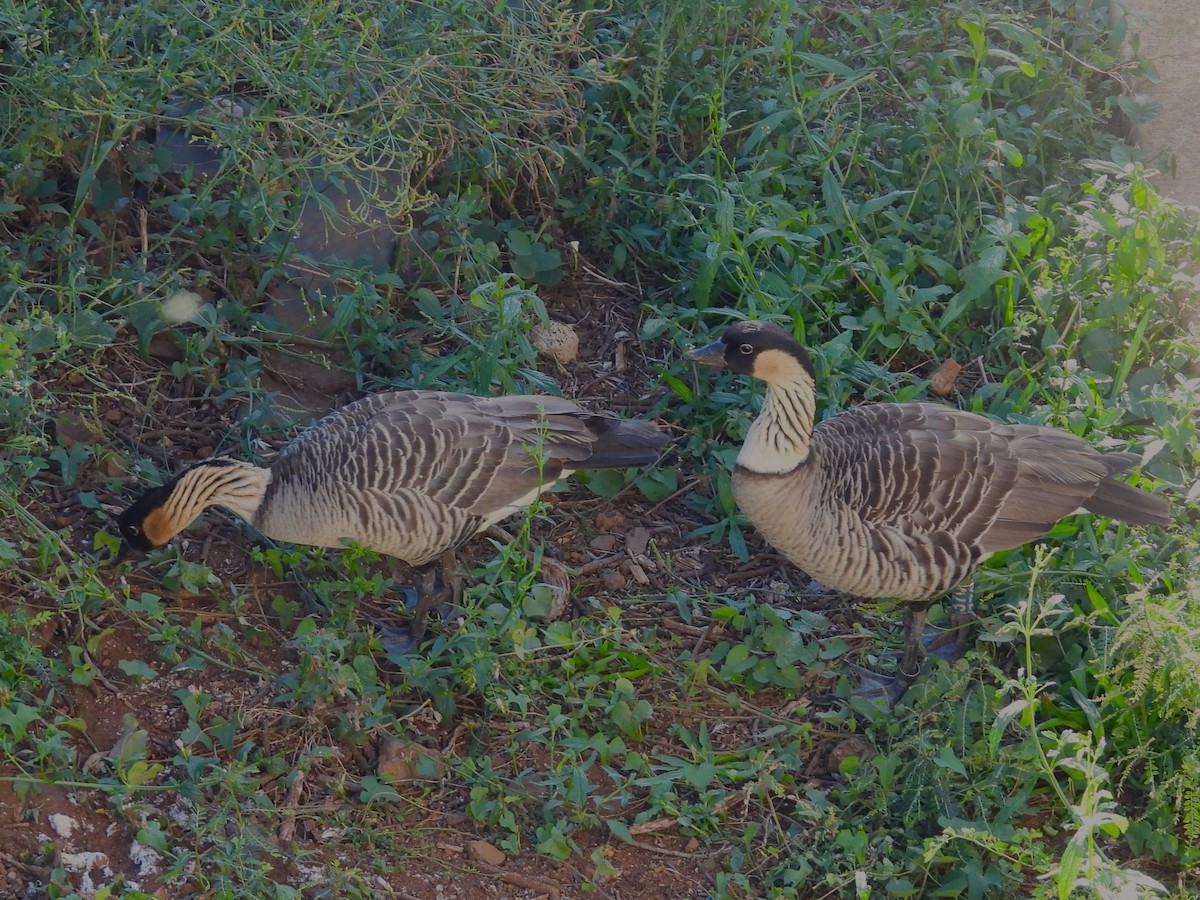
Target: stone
x=637 y=541
x=482 y=851
x=609 y=521
x=852 y=746
x=556 y=340
x=613 y=580
x=604 y=543
x=399 y=760
x=945 y=378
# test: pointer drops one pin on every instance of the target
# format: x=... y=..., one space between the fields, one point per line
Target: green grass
x=902 y=182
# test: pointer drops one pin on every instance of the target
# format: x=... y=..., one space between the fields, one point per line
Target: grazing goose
x=904 y=500
x=411 y=474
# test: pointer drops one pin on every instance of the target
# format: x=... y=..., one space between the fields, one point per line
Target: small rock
x=63 y=826
x=146 y=859
x=609 y=521
x=111 y=467
x=163 y=346
x=604 y=543
x=73 y=429
x=945 y=378
x=691 y=846
x=851 y=746
x=556 y=340
x=113 y=415
x=484 y=852
x=399 y=760
x=81 y=862
x=637 y=541
x=613 y=580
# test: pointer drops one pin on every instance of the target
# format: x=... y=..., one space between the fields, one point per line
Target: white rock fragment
x=64 y=826
x=145 y=858
x=85 y=861
x=311 y=874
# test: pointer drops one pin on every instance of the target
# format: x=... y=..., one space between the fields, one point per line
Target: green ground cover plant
x=902 y=183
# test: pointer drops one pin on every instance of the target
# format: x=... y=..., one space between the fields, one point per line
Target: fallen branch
x=551 y=889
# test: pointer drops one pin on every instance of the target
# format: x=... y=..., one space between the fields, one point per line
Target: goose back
x=413 y=473
x=905 y=500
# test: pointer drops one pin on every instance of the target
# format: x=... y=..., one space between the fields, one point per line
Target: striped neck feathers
x=778 y=440
x=236 y=486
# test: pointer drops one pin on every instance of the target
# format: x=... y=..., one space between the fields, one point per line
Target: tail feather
x=1117 y=500
x=623 y=442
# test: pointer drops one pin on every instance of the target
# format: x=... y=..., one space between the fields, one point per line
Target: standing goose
x=411 y=474
x=904 y=500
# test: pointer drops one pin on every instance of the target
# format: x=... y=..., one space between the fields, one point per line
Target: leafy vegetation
x=900 y=182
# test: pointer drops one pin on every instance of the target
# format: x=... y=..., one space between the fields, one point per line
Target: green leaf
x=537 y=602
x=700 y=776
x=152 y=835
x=620 y=829
x=519 y=244
x=605 y=482
x=145 y=315
x=16 y=717
x=738 y=661
x=376 y=790
x=947 y=760
x=1099 y=348
x=137 y=670
x=658 y=484
x=702 y=285
x=679 y=387
x=825 y=64
x=787 y=645
x=977 y=279
x=140 y=773
x=831 y=194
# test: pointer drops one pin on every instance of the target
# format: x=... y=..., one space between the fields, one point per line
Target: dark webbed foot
x=873 y=685
x=393 y=639
x=948 y=644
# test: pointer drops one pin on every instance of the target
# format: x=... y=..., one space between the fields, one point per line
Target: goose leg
x=450 y=577
x=909 y=666
x=427 y=594
x=962 y=613
x=440 y=582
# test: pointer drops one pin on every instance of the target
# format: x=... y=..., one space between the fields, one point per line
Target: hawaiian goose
x=411 y=474
x=904 y=500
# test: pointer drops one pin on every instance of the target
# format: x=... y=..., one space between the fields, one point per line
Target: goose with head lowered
x=904 y=500
x=410 y=474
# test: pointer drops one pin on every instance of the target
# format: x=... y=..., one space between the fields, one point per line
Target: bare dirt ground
x=1170 y=36
x=613 y=549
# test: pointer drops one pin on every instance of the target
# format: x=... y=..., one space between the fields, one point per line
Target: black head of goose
x=411 y=474
x=904 y=500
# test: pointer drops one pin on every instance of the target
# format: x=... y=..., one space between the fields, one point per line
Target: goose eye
x=132 y=530
x=746 y=349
